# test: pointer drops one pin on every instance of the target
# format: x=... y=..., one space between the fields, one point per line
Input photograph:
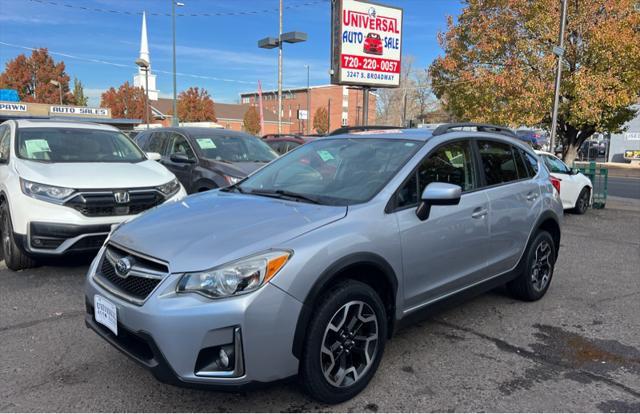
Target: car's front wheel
x=14 y=257
x=344 y=343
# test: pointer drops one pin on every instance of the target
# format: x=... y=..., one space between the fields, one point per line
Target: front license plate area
x=106 y=313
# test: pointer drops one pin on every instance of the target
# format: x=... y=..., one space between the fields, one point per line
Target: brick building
x=345 y=103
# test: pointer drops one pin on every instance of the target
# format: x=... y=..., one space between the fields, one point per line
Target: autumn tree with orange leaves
x=125 y=102
x=499 y=67
x=195 y=105
x=31 y=77
x=321 y=120
x=251 y=121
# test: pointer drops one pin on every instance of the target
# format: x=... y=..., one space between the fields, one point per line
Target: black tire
x=582 y=203
x=537 y=269
x=314 y=362
x=14 y=257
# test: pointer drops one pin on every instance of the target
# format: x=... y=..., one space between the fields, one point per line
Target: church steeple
x=144 y=43
x=139 y=78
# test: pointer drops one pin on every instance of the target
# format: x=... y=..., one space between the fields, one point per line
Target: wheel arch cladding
x=550 y=224
x=368 y=268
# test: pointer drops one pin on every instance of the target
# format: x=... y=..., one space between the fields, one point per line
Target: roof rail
x=360 y=128
x=442 y=129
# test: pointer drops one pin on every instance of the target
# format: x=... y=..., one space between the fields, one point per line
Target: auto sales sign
x=366 y=43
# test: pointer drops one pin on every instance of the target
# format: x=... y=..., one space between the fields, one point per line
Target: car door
x=569 y=185
x=177 y=144
x=446 y=252
x=514 y=198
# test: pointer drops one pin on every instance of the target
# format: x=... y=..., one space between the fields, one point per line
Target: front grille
x=142 y=278
x=101 y=204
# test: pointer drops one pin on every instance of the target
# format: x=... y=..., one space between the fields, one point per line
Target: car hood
x=208 y=229
x=236 y=169
x=95 y=175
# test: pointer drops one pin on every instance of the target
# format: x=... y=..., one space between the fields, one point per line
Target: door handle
x=479 y=213
x=532 y=196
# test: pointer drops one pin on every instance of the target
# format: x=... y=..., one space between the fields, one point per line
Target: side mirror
x=575 y=171
x=154 y=156
x=438 y=194
x=181 y=158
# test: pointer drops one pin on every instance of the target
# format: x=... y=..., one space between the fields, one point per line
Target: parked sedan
x=207 y=158
x=575 y=187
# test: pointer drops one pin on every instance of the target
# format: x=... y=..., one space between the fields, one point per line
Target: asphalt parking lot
x=578 y=349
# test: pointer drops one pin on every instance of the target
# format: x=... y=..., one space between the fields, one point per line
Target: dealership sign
x=13 y=107
x=76 y=110
x=366 y=44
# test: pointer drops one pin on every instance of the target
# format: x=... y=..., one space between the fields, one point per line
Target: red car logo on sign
x=373 y=44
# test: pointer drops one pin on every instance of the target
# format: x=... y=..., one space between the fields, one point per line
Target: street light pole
x=174 y=119
x=559 y=51
x=308 y=103
x=144 y=66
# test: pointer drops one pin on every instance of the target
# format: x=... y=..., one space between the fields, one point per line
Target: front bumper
x=46 y=229
x=168 y=333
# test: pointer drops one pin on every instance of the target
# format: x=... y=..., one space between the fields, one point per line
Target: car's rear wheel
x=14 y=257
x=345 y=342
x=537 y=270
x=582 y=203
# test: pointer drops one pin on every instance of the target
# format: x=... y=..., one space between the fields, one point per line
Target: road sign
x=302 y=114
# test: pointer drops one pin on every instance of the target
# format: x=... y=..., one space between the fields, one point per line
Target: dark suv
x=206 y=158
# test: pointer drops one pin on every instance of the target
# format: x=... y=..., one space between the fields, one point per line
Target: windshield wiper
x=233 y=187
x=286 y=194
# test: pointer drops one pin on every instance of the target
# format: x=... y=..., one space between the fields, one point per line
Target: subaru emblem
x=123 y=266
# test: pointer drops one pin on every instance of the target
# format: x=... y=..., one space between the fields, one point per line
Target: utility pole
x=280 y=72
x=174 y=120
x=308 y=103
x=329 y=116
x=365 y=105
x=558 y=51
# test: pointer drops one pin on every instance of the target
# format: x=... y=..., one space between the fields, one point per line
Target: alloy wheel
x=350 y=344
x=542 y=267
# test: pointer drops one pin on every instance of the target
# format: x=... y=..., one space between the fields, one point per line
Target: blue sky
x=215 y=47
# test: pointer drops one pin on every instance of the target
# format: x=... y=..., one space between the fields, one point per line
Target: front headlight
x=236 y=278
x=45 y=192
x=232 y=180
x=169 y=188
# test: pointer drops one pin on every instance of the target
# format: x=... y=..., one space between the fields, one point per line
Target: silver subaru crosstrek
x=308 y=266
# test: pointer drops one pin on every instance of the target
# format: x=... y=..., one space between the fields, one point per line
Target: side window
x=156 y=142
x=278 y=147
x=5 y=143
x=292 y=145
x=498 y=162
x=449 y=163
x=178 y=145
x=555 y=165
x=531 y=162
x=143 y=141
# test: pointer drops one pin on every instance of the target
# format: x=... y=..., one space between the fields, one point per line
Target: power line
x=202 y=14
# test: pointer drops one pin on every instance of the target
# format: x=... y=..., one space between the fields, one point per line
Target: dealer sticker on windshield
x=206 y=143
x=106 y=313
x=36 y=145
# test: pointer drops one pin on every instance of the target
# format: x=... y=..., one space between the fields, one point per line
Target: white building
x=139 y=78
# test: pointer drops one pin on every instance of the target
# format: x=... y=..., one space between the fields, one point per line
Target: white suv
x=63 y=185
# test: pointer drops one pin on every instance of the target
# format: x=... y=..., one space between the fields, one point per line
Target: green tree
x=78 y=93
x=499 y=67
x=31 y=77
x=321 y=120
x=251 y=121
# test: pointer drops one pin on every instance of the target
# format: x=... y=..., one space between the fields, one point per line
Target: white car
x=575 y=188
x=63 y=185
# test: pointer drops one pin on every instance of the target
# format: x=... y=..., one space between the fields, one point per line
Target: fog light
x=224 y=358
x=37 y=242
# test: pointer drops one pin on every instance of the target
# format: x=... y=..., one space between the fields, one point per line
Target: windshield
x=76 y=145
x=234 y=148
x=339 y=171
